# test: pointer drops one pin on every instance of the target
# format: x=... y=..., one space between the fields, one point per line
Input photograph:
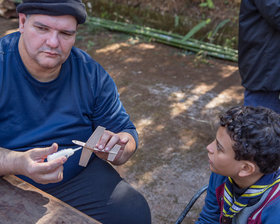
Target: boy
x=246 y=152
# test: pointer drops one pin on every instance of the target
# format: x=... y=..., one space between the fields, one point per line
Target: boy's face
x=221 y=155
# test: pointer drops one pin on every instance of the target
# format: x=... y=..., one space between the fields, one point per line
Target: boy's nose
x=210 y=148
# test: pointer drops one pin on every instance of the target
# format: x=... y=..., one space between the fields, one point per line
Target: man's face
x=221 y=155
x=47 y=40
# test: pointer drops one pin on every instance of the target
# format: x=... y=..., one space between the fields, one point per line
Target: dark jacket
x=259 y=45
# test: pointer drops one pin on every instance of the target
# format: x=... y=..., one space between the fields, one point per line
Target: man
x=259 y=34
x=52 y=93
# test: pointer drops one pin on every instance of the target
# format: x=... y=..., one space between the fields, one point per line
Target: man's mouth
x=51 y=54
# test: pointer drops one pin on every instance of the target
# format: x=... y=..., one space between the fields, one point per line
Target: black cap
x=54 y=8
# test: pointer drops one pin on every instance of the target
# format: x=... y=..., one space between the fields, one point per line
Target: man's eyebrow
x=36 y=23
x=40 y=24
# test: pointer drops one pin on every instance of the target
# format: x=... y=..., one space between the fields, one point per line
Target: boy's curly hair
x=256 y=135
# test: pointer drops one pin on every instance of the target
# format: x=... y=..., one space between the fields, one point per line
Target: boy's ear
x=247 y=168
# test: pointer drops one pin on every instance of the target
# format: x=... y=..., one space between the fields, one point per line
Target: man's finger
x=53 y=177
x=49 y=167
x=113 y=141
x=40 y=153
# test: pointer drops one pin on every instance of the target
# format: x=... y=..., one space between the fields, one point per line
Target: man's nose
x=53 y=40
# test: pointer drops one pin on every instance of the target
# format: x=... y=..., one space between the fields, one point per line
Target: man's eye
x=66 y=34
x=41 y=28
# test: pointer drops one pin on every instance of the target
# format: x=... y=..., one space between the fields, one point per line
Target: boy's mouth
x=210 y=162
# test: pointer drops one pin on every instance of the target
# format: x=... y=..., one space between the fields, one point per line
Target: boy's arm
x=210 y=213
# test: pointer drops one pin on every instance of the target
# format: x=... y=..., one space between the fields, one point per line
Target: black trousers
x=101 y=193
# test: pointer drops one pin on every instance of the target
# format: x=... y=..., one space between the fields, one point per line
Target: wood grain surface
x=21 y=202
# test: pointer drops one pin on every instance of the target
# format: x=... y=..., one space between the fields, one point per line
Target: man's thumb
x=52 y=149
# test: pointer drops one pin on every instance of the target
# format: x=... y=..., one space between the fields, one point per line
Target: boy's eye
x=219 y=147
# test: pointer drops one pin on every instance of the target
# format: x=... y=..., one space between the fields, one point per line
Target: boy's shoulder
x=268 y=211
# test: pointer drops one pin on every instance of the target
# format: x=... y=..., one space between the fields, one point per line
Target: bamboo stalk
x=168 y=38
x=159 y=32
x=148 y=29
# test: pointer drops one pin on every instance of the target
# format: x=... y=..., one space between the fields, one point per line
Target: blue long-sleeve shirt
x=37 y=114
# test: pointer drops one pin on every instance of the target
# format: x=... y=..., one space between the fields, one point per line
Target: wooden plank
x=91 y=142
x=113 y=153
x=21 y=202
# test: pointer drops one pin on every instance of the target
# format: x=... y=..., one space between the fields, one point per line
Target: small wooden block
x=91 y=142
x=113 y=153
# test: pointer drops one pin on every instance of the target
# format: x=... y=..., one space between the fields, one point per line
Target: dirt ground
x=173 y=99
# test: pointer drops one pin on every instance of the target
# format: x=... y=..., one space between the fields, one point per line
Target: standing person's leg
x=266 y=99
x=101 y=193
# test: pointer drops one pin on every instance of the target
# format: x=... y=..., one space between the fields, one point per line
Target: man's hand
x=109 y=139
x=31 y=164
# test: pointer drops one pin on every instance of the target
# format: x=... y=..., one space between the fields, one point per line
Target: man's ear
x=21 y=20
x=247 y=168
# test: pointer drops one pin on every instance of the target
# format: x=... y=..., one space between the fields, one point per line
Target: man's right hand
x=31 y=164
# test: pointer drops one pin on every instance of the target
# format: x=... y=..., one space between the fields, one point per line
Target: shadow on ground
x=174 y=100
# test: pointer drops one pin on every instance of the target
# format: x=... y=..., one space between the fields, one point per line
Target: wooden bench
x=21 y=202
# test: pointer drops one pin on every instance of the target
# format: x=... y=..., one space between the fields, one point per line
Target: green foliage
x=90 y=44
x=208 y=3
x=196 y=29
x=201 y=58
x=79 y=37
x=176 y=20
x=212 y=34
x=230 y=42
